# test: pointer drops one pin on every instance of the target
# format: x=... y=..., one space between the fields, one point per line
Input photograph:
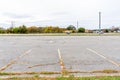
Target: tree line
x=33 y=29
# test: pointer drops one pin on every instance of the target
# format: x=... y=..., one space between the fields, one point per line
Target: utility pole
x=77 y=24
x=12 y=24
x=99 y=22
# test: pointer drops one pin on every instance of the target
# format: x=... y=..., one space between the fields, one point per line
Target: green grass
x=71 y=77
x=63 y=72
x=63 y=34
x=28 y=73
x=106 y=71
x=3 y=73
x=53 y=34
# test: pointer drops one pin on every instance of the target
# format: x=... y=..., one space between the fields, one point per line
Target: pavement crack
x=15 y=60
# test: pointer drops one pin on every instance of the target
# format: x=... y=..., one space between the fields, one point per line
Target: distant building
x=96 y=31
x=88 y=31
x=68 y=31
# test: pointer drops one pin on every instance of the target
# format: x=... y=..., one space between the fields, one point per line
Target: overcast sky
x=60 y=13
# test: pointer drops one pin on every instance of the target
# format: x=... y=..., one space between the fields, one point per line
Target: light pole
x=99 y=22
x=77 y=24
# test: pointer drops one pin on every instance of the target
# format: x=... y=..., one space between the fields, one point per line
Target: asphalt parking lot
x=40 y=53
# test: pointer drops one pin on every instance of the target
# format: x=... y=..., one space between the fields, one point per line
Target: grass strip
x=64 y=34
x=64 y=72
x=71 y=77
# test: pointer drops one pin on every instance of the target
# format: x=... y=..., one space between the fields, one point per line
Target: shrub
x=81 y=30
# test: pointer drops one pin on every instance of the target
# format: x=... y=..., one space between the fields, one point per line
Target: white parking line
x=15 y=60
x=102 y=56
x=61 y=60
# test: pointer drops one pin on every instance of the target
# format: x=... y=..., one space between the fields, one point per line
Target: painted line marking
x=61 y=60
x=14 y=60
x=102 y=56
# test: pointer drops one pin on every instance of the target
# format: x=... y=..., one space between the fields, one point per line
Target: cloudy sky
x=60 y=13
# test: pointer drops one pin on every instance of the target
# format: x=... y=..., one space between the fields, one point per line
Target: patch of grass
x=63 y=34
x=71 y=77
x=26 y=78
x=106 y=71
x=88 y=78
x=8 y=73
x=49 y=72
x=64 y=72
x=4 y=73
x=97 y=71
x=37 y=76
x=31 y=73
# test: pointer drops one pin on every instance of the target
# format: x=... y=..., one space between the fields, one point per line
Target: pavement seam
x=104 y=57
x=14 y=60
